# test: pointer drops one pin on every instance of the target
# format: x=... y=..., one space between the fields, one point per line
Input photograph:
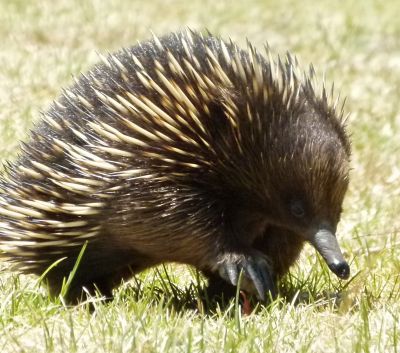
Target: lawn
x=43 y=44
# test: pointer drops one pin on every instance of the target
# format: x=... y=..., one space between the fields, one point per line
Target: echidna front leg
x=256 y=273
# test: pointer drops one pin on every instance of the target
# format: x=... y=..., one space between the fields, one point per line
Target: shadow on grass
x=207 y=299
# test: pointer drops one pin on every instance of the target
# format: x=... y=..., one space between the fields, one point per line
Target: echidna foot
x=256 y=274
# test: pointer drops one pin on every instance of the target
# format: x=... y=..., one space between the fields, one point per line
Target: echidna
x=181 y=149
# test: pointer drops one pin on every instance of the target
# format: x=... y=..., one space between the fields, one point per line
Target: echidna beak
x=326 y=244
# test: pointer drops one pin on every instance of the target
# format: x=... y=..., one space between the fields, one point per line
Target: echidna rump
x=181 y=149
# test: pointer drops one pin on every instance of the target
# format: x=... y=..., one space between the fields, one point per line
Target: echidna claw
x=256 y=274
x=232 y=272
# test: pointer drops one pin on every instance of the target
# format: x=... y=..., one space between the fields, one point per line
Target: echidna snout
x=181 y=149
x=326 y=244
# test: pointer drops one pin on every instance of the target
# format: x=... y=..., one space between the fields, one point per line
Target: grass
x=357 y=43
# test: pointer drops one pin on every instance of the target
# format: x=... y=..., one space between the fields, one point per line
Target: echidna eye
x=297 y=209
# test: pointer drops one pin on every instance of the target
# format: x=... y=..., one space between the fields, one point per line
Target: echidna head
x=309 y=188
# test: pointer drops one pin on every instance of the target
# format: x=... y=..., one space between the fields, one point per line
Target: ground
x=356 y=44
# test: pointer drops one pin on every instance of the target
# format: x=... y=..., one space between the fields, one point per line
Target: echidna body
x=182 y=149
